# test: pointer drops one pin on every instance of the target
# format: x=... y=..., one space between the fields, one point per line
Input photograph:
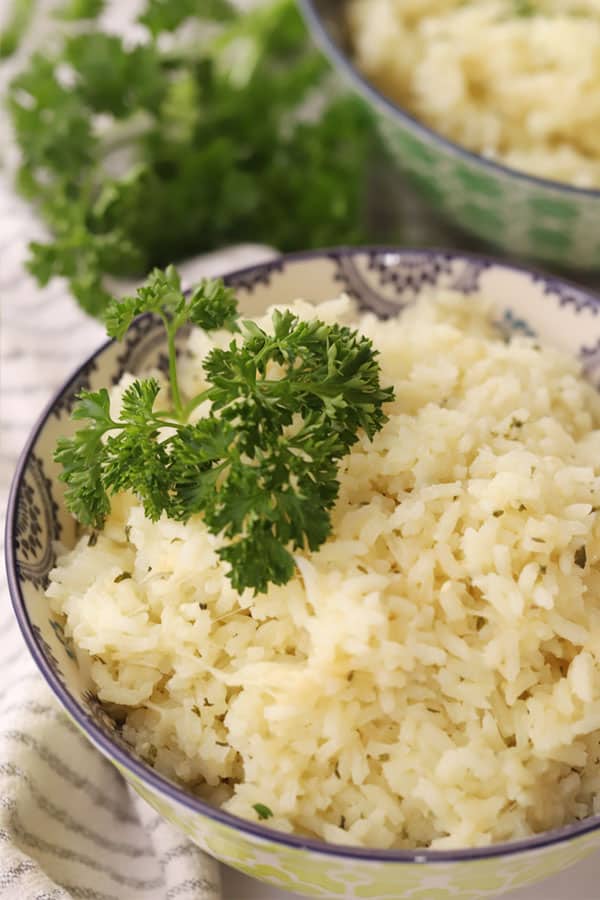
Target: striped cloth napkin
x=69 y=825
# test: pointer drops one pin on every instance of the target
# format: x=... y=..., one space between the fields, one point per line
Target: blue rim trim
x=161 y=784
x=339 y=58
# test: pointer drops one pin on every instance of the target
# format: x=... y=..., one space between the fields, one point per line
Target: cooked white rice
x=514 y=80
x=431 y=676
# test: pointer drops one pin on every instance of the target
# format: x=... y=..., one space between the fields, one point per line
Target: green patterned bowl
x=383 y=280
x=525 y=216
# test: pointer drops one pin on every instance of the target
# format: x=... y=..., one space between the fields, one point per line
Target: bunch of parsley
x=137 y=155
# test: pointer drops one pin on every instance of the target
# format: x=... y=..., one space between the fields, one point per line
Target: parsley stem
x=173 y=369
x=300 y=387
x=194 y=402
x=165 y=419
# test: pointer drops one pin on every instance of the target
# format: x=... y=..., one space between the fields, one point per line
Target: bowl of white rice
x=417 y=712
x=491 y=107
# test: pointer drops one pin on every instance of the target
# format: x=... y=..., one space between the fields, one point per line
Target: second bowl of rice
x=492 y=109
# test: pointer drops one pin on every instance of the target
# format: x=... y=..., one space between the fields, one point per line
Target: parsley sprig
x=286 y=407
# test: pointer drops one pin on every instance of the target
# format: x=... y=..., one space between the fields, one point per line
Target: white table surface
x=581 y=882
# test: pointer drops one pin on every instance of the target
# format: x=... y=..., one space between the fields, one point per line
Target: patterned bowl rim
x=342 y=61
x=160 y=783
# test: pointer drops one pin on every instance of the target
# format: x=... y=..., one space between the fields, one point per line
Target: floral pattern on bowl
x=383 y=280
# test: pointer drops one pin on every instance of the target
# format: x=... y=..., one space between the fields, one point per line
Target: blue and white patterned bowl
x=383 y=280
x=528 y=217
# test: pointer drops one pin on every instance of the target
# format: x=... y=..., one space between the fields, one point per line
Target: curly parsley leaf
x=212 y=305
x=261 y=469
x=112 y=78
x=79 y=255
x=135 y=459
x=81 y=460
x=65 y=144
x=161 y=293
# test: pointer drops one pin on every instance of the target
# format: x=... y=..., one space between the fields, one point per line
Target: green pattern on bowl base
x=522 y=216
x=320 y=875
